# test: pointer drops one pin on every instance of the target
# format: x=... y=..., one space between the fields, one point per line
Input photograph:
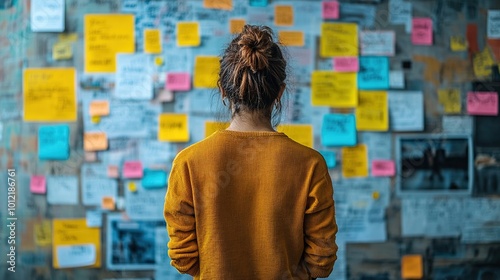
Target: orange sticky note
x=99 y=108
x=283 y=15
x=412 y=267
x=236 y=25
x=108 y=203
x=113 y=171
x=291 y=38
x=95 y=141
x=218 y=4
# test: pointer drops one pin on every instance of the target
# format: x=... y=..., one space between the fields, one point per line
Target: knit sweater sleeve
x=320 y=227
x=180 y=219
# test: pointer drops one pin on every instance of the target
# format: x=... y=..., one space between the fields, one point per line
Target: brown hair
x=252 y=71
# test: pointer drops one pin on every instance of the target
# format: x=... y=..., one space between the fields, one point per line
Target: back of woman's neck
x=248 y=123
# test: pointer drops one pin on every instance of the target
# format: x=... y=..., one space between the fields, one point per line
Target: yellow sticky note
x=188 y=34
x=105 y=35
x=334 y=89
x=211 y=127
x=483 y=61
x=99 y=108
x=173 y=127
x=206 y=71
x=218 y=4
x=450 y=99
x=152 y=41
x=283 y=15
x=62 y=50
x=43 y=233
x=291 y=38
x=68 y=37
x=412 y=267
x=49 y=94
x=108 y=203
x=458 y=43
x=95 y=141
x=339 y=39
x=236 y=25
x=372 y=112
x=75 y=232
x=132 y=187
x=301 y=133
x=355 y=161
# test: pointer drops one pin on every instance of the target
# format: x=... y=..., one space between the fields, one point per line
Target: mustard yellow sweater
x=250 y=205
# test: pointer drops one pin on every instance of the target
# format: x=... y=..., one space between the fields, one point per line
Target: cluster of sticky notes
x=372 y=112
x=152 y=41
x=154 y=179
x=383 y=168
x=373 y=72
x=421 y=33
x=450 y=99
x=355 y=161
x=346 y=64
x=38 y=184
x=330 y=9
x=339 y=39
x=178 y=81
x=95 y=141
x=188 y=34
x=206 y=71
x=482 y=103
x=53 y=142
x=173 y=127
x=338 y=130
x=132 y=169
x=301 y=133
x=334 y=89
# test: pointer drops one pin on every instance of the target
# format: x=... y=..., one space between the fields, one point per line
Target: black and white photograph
x=434 y=164
x=131 y=244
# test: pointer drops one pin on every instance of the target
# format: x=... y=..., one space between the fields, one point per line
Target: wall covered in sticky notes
x=400 y=98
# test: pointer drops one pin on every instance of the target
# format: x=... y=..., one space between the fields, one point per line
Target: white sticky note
x=396 y=79
x=76 y=255
x=62 y=190
x=47 y=15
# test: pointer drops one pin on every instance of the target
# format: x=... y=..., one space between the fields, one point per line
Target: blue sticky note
x=154 y=179
x=258 y=3
x=329 y=157
x=338 y=130
x=53 y=142
x=373 y=72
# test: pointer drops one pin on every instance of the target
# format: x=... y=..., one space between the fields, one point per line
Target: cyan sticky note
x=154 y=179
x=338 y=130
x=373 y=72
x=53 y=142
x=329 y=157
x=258 y=3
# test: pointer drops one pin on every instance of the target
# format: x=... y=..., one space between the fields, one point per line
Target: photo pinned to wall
x=434 y=164
x=131 y=244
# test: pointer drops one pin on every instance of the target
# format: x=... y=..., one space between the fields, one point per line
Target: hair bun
x=255 y=44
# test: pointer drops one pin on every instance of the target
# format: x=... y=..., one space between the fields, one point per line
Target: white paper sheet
x=133 y=77
x=406 y=110
x=47 y=15
x=493 y=24
x=76 y=255
x=458 y=124
x=377 y=43
x=94 y=218
x=144 y=204
x=396 y=79
x=400 y=12
x=62 y=190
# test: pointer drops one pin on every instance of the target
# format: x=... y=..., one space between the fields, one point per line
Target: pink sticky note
x=383 y=168
x=346 y=64
x=38 y=184
x=132 y=169
x=482 y=103
x=330 y=10
x=178 y=81
x=421 y=33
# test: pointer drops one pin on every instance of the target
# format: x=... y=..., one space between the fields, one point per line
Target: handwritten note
x=334 y=89
x=99 y=108
x=482 y=103
x=412 y=267
x=95 y=141
x=346 y=64
x=47 y=15
x=38 y=184
x=152 y=41
x=105 y=35
x=188 y=34
x=291 y=38
x=154 y=179
x=62 y=190
x=338 y=130
x=355 y=161
x=458 y=43
x=339 y=39
x=300 y=133
x=330 y=158
x=49 y=94
x=62 y=51
x=406 y=110
x=74 y=232
x=132 y=170
x=206 y=71
x=493 y=24
x=450 y=99
x=283 y=15
x=372 y=111
x=236 y=25
x=173 y=128
x=382 y=43
x=43 y=233
x=421 y=33
x=218 y=4
x=178 y=81
x=94 y=188
x=373 y=72
x=211 y=127
x=330 y=9
x=483 y=62
x=133 y=77
x=383 y=168
x=53 y=142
